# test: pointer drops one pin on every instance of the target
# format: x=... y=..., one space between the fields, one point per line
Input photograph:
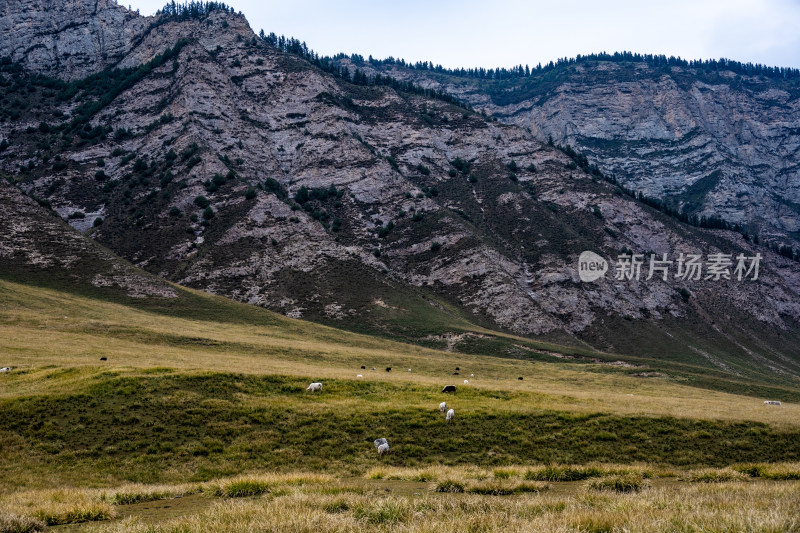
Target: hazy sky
x=507 y=32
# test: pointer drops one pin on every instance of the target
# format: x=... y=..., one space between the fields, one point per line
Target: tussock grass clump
x=449 y=485
x=505 y=488
x=11 y=523
x=582 y=472
x=62 y=506
x=501 y=473
x=385 y=511
x=789 y=472
x=129 y=494
x=243 y=488
x=714 y=475
x=376 y=473
x=255 y=485
x=337 y=506
x=562 y=473
x=630 y=482
x=779 y=472
x=598 y=522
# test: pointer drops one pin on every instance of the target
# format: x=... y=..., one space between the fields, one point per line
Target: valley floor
x=206 y=403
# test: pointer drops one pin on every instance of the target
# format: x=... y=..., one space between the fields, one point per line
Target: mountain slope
x=69 y=39
x=38 y=246
x=711 y=143
x=226 y=165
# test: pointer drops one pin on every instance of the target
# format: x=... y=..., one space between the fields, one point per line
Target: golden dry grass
x=306 y=502
x=59 y=506
x=718 y=507
x=55 y=340
x=34 y=335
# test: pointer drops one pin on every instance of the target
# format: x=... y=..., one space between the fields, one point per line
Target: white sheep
x=443 y=407
x=466 y=382
x=359 y=376
x=451 y=414
x=5 y=369
x=382 y=445
x=314 y=387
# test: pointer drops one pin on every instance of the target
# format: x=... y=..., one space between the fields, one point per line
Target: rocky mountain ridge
x=221 y=163
x=709 y=143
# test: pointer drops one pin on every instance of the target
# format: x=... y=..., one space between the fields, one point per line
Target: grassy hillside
x=201 y=390
x=210 y=395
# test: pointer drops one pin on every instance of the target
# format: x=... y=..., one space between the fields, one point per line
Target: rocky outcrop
x=711 y=144
x=68 y=39
x=38 y=246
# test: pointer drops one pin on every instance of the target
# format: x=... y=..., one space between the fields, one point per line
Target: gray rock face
x=68 y=39
x=37 y=243
x=711 y=144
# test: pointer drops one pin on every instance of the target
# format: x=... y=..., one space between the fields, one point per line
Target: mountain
x=69 y=39
x=36 y=245
x=714 y=139
x=206 y=156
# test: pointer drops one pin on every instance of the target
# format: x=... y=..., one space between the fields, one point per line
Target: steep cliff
x=67 y=39
x=714 y=144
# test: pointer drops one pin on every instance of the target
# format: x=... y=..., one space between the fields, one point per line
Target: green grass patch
x=631 y=482
x=138 y=428
x=449 y=485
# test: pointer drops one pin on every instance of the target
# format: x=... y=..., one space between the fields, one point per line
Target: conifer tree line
x=579 y=160
x=187 y=10
x=194 y=9
x=357 y=77
x=656 y=61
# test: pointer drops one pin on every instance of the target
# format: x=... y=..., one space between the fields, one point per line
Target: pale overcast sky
x=507 y=32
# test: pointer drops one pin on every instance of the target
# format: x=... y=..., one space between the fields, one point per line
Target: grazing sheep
x=451 y=414
x=449 y=388
x=373 y=368
x=5 y=369
x=363 y=367
x=457 y=368
x=768 y=402
x=409 y=370
x=443 y=407
x=472 y=375
x=359 y=376
x=104 y=358
x=466 y=382
x=382 y=445
x=314 y=387
x=520 y=378
x=388 y=369
x=455 y=373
